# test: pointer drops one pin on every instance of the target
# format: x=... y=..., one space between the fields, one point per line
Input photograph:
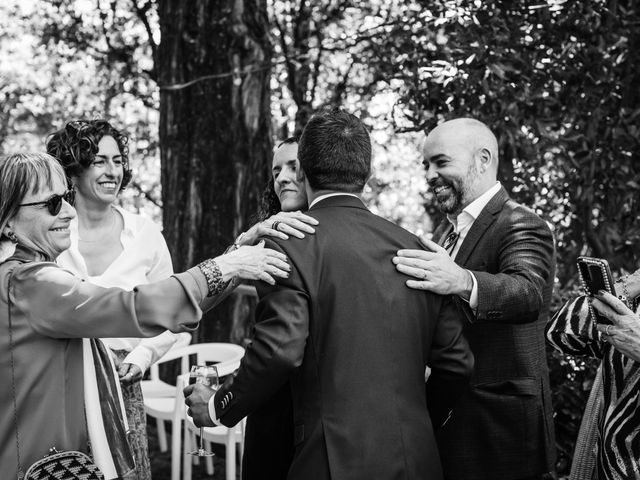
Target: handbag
x=59 y=465
x=66 y=465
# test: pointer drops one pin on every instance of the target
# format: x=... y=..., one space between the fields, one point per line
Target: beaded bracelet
x=624 y=297
x=213 y=274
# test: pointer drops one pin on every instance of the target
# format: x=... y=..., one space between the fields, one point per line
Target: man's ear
x=486 y=158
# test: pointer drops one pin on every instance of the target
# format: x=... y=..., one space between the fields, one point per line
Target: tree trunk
x=214 y=69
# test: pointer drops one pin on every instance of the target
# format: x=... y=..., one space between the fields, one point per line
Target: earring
x=12 y=236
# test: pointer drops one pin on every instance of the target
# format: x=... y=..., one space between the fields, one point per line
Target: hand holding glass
x=206 y=375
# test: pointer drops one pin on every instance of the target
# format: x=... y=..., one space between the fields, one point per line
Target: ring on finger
x=607 y=329
x=275 y=224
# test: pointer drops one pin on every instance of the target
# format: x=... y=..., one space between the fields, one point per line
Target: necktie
x=450 y=242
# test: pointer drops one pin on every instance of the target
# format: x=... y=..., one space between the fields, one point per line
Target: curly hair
x=76 y=144
x=269 y=203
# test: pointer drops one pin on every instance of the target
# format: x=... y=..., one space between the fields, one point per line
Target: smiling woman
x=48 y=314
x=39 y=212
x=113 y=248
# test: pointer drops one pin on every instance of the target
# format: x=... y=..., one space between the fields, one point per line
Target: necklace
x=103 y=236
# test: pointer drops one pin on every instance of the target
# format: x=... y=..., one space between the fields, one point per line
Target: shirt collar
x=327 y=195
x=474 y=209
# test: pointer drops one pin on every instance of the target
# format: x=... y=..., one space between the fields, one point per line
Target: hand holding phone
x=595 y=275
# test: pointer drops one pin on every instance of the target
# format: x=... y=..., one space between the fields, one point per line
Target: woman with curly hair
x=112 y=247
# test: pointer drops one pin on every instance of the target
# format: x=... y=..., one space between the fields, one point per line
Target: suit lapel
x=480 y=225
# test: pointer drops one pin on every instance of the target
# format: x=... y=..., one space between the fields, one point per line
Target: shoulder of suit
x=517 y=212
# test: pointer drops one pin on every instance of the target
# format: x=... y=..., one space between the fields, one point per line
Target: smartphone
x=595 y=275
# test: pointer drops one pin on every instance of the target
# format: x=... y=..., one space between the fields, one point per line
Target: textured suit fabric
x=354 y=341
x=502 y=428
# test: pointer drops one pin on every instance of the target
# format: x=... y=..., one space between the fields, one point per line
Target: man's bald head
x=467 y=133
x=461 y=157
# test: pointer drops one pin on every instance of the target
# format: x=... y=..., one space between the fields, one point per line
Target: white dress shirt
x=144 y=259
x=463 y=223
x=335 y=194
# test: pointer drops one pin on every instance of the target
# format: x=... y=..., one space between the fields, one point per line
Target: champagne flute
x=206 y=375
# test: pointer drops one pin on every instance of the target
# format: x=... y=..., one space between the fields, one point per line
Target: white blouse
x=144 y=259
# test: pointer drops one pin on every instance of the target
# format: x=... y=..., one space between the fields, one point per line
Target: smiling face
x=454 y=168
x=36 y=228
x=100 y=182
x=451 y=174
x=289 y=190
x=461 y=158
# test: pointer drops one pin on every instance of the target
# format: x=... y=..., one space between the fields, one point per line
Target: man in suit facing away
x=497 y=258
x=344 y=329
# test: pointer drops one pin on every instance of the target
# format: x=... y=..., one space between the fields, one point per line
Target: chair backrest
x=226 y=355
x=174 y=352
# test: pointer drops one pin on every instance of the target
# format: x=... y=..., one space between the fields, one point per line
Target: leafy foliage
x=63 y=60
x=553 y=80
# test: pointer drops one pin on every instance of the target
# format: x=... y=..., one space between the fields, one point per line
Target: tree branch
x=145 y=194
x=291 y=80
x=141 y=13
x=341 y=86
x=316 y=68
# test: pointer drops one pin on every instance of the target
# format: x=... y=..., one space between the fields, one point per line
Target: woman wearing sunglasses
x=45 y=311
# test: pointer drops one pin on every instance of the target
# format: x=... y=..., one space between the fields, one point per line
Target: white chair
x=154 y=388
x=231 y=438
x=160 y=397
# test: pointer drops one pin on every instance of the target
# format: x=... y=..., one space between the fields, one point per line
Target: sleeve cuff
x=473 y=297
x=139 y=357
x=212 y=410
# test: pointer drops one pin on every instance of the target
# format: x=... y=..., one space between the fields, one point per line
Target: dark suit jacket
x=354 y=342
x=502 y=428
x=268 y=439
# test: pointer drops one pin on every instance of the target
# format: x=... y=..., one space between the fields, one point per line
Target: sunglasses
x=54 y=203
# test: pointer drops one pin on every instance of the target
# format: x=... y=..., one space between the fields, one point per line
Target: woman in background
x=268 y=444
x=112 y=247
x=283 y=200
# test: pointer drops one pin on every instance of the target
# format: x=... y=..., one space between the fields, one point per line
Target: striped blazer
x=573 y=331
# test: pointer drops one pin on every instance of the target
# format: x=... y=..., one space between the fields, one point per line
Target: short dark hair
x=76 y=144
x=335 y=151
x=289 y=141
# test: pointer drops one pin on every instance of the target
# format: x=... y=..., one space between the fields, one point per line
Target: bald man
x=497 y=259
